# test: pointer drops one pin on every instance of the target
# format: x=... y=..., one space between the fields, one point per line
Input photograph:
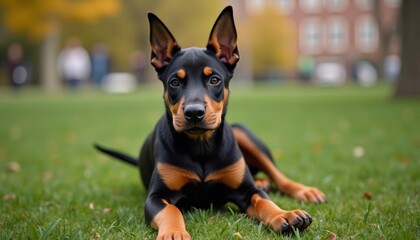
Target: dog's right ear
x=163 y=44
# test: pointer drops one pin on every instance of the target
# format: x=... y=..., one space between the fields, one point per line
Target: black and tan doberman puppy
x=194 y=158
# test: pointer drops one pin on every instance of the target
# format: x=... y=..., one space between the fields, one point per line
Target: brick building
x=342 y=32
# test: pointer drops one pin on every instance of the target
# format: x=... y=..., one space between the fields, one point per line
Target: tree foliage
x=272 y=41
x=35 y=19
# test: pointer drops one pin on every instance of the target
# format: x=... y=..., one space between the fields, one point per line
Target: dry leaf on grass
x=358 y=152
x=332 y=236
x=368 y=195
x=237 y=235
x=13 y=167
x=9 y=196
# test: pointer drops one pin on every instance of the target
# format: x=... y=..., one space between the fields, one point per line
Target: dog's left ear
x=223 y=38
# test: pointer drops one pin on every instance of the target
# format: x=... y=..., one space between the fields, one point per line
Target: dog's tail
x=121 y=156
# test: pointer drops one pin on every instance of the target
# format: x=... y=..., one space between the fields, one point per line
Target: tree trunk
x=49 y=50
x=408 y=84
x=386 y=32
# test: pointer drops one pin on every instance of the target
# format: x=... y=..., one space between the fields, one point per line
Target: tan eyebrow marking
x=207 y=71
x=181 y=73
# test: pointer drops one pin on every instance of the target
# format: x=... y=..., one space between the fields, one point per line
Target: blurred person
x=18 y=70
x=138 y=64
x=306 y=67
x=100 y=63
x=392 y=67
x=74 y=63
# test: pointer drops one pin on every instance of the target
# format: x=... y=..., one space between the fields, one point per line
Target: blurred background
x=74 y=44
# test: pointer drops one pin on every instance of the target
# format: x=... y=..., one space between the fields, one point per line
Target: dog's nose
x=194 y=112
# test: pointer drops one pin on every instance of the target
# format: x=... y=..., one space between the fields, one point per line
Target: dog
x=193 y=157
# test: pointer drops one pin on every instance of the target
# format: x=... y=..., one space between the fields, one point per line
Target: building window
x=311 y=6
x=336 y=5
x=286 y=6
x=337 y=34
x=366 y=34
x=393 y=3
x=255 y=5
x=364 y=4
x=311 y=36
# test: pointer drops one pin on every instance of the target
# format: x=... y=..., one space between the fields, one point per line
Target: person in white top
x=74 y=63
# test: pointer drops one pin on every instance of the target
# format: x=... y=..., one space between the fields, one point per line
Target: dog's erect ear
x=223 y=38
x=163 y=44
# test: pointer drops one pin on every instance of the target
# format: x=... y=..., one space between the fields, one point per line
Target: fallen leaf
x=404 y=159
x=9 y=196
x=332 y=236
x=106 y=210
x=48 y=175
x=316 y=148
x=237 y=235
x=358 y=152
x=368 y=195
x=13 y=167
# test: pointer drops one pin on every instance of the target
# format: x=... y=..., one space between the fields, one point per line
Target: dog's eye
x=174 y=83
x=214 y=80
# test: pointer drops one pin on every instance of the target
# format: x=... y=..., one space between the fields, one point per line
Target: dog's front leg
x=278 y=219
x=167 y=219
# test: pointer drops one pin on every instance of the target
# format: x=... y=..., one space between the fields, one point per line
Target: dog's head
x=196 y=80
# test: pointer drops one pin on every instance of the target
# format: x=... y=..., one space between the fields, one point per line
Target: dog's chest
x=176 y=178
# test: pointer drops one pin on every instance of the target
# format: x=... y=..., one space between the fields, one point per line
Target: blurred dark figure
x=138 y=64
x=305 y=68
x=100 y=63
x=74 y=63
x=392 y=67
x=18 y=70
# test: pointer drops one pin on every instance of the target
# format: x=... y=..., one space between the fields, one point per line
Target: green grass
x=66 y=190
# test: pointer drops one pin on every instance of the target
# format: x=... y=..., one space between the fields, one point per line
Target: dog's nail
x=297 y=221
x=285 y=226
x=309 y=217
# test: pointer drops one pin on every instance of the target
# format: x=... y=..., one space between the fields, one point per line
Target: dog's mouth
x=197 y=130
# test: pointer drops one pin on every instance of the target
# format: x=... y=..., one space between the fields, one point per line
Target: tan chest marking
x=232 y=175
x=175 y=177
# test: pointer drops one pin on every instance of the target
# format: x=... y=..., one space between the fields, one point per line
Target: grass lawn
x=356 y=144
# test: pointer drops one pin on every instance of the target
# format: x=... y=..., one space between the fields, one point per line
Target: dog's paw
x=174 y=235
x=309 y=194
x=286 y=221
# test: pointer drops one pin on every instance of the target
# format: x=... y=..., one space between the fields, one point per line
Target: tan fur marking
x=181 y=73
x=177 y=115
x=215 y=43
x=255 y=157
x=202 y=136
x=156 y=63
x=266 y=211
x=207 y=71
x=232 y=175
x=159 y=63
x=169 y=223
x=213 y=116
x=234 y=58
x=175 y=177
x=215 y=109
